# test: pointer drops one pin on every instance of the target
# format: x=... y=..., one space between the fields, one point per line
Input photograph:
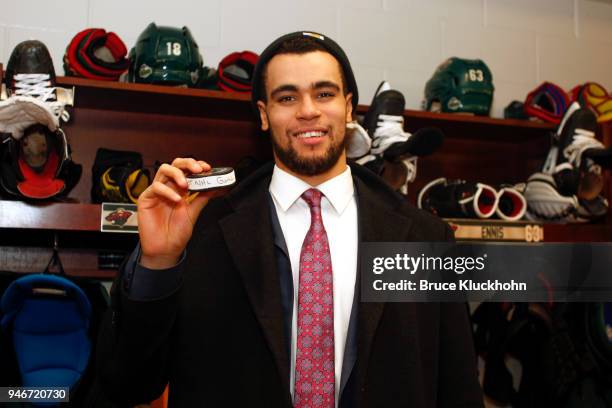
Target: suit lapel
x=248 y=235
x=378 y=222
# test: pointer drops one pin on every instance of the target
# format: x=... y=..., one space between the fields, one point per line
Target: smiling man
x=251 y=299
x=307 y=118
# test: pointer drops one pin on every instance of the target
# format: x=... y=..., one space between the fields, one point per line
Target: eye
x=326 y=94
x=286 y=99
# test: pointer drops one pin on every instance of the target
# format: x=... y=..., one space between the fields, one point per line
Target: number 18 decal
x=174 y=48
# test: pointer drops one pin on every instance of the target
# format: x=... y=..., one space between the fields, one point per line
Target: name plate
x=493 y=230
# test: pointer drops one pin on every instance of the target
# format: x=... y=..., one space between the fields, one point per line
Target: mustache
x=308 y=166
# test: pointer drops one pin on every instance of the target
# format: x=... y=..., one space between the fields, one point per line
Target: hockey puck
x=217 y=177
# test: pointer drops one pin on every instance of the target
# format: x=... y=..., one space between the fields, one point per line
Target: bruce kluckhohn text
x=465 y=285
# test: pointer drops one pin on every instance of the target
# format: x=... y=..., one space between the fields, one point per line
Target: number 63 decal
x=475 y=75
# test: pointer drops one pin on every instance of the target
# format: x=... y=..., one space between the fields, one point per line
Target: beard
x=308 y=166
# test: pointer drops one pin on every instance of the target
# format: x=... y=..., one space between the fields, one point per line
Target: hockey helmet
x=96 y=54
x=547 y=102
x=35 y=161
x=594 y=96
x=460 y=86
x=165 y=55
x=235 y=72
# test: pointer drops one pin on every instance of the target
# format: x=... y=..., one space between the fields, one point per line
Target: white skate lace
x=411 y=172
x=583 y=140
x=389 y=130
x=39 y=86
x=365 y=159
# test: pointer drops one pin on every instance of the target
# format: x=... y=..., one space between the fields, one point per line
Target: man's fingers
x=164 y=191
x=170 y=181
x=205 y=166
x=191 y=165
x=167 y=172
x=177 y=170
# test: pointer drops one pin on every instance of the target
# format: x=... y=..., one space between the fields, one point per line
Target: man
x=253 y=302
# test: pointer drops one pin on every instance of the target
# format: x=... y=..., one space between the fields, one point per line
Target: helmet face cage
x=165 y=55
x=460 y=85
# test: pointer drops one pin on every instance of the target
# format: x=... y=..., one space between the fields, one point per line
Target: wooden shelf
x=158 y=99
x=475 y=127
x=29 y=231
x=76 y=262
x=50 y=216
x=77 y=217
x=527 y=231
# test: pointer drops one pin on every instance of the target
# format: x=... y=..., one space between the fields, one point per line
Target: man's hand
x=165 y=217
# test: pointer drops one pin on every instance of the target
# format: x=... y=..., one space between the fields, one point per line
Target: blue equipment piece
x=47 y=319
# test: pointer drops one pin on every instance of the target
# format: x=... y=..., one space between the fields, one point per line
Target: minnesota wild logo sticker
x=116 y=217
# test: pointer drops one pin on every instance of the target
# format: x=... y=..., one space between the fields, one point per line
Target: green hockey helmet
x=460 y=85
x=165 y=55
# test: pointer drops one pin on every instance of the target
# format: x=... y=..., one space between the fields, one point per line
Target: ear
x=263 y=116
x=349 y=107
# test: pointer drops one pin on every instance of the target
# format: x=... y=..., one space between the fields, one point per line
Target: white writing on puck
x=217 y=177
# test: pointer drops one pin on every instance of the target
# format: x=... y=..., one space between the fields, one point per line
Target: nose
x=308 y=109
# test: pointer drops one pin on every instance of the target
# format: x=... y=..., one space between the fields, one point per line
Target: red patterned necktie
x=314 y=362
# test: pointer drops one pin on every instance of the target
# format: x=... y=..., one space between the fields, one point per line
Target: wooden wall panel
x=160 y=138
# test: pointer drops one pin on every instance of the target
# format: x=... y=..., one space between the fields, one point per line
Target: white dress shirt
x=339 y=212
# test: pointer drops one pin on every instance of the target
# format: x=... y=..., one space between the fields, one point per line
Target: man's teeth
x=311 y=134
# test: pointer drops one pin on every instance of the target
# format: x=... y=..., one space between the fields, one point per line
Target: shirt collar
x=287 y=188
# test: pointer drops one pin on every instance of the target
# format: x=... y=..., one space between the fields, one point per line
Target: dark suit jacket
x=221 y=339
